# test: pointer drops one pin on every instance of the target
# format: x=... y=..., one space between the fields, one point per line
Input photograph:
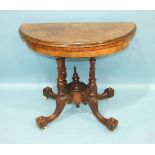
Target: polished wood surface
x=76 y=92
x=78 y=39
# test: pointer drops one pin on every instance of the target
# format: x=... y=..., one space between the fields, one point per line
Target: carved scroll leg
x=42 y=121
x=111 y=123
x=48 y=92
x=107 y=94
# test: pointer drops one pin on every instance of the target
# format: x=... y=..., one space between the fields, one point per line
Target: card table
x=77 y=40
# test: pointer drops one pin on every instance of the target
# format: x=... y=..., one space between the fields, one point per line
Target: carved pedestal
x=76 y=92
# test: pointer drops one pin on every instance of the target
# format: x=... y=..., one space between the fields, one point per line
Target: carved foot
x=60 y=104
x=48 y=92
x=108 y=93
x=42 y=122
x=111 y=123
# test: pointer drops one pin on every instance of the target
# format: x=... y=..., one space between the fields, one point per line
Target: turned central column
x=61 y=80
x=92 y=80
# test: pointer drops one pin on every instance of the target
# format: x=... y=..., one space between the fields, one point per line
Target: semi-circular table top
x=76 y=40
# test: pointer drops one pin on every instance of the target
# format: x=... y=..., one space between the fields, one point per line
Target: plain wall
x=24 y=73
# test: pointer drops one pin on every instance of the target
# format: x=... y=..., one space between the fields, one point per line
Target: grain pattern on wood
x=78 y=39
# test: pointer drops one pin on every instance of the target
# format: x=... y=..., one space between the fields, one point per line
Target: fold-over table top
x=78 y=39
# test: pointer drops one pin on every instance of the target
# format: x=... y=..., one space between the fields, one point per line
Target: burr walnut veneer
x=77 y=40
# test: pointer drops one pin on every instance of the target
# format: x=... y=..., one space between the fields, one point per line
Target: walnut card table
x=77 y=40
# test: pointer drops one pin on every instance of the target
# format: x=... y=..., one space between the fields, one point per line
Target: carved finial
x=74 y=70
x=75 y=79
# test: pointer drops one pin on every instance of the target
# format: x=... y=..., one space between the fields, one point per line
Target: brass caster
x=45 y=127
x=109 y=99
x=45 y=97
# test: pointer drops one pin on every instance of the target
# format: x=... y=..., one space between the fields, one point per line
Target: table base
x=76 y=92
